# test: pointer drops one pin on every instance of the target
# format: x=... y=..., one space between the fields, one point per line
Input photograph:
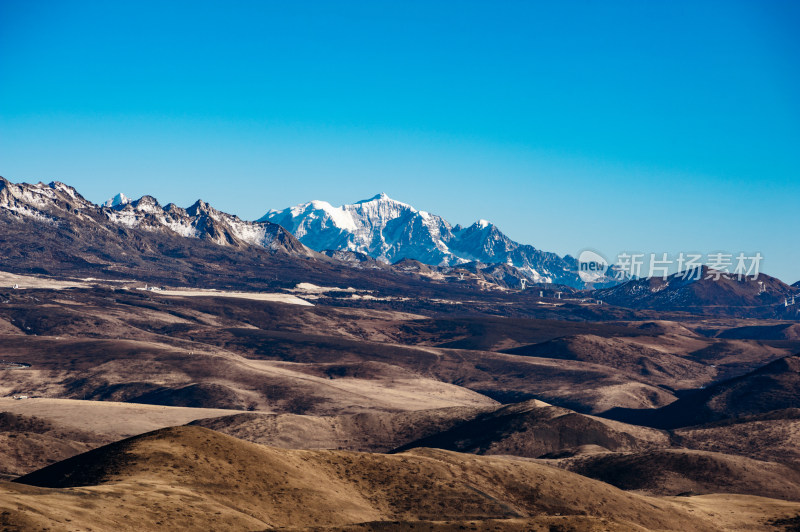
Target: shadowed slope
x=774 y=436
x=533 y=429
x=29 y=442
x=676 y=471
x=368 y=431
x=771 y=387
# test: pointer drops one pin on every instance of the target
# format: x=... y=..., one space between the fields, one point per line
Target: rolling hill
x=190 y=478
x=534 y=429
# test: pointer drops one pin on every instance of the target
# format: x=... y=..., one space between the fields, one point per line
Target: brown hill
x=367 y=431
x=734 y=358
x=645 y=363
x=774 y=436
x=195 y=396
x=533 y=429
x=680 y=471
x=29 y=442
x=193 y=478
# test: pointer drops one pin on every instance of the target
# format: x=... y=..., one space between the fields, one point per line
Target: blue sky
x=640 y=126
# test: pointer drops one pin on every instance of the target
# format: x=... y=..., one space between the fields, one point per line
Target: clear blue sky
x=645 y=126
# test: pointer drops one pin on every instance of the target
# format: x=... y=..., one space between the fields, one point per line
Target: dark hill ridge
x=367 y=431
x=708 y=294
x=772 y=387
x=530 y=429
x=781 y=331
x=679 y=471
x=30 y=442
x=773 y=436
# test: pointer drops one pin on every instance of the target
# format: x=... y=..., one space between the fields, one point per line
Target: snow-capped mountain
x=57 y=204
x=116 y=201
x=390 y=230
x=379 y=227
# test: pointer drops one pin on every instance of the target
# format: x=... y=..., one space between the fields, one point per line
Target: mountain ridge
x=705 y=290
x=54 y=202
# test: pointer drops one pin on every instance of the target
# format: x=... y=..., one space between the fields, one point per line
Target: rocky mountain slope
x=57 y=204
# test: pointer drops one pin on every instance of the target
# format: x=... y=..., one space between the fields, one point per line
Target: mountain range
x=380 y=228
x=377 y=243
x=53 y=203
x=51 y=229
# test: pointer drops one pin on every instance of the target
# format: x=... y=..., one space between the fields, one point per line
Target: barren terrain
x=360 y=415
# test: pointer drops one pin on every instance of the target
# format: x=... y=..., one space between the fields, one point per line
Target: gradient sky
x=640 y=126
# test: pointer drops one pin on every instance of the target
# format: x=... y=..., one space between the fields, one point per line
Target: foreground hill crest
x=258 y=486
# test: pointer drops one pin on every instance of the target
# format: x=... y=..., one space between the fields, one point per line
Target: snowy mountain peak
x=377 y=197
x=146 y=200
x=200 y=208
x=383 y=200
x=323 y=205
x=116 y=201
x=483 y=224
